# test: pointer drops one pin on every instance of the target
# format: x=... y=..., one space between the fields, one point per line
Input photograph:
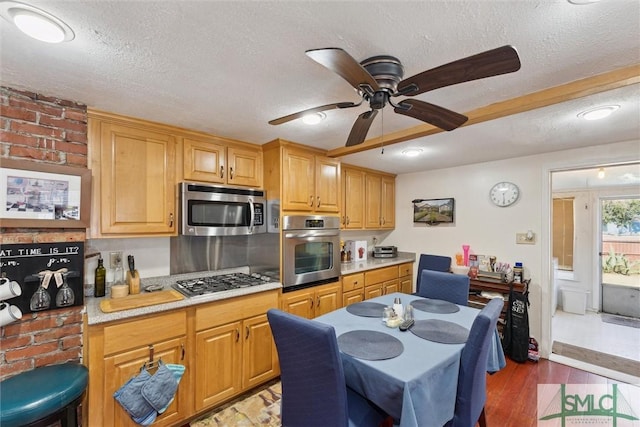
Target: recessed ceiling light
x=598 y=113
x=314 y=118
x=36 y=23
x=601 y=173
x=412 y=152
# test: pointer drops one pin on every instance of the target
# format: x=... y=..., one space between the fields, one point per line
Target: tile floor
x=589 y=331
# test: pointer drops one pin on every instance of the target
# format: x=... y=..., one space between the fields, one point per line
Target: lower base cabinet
x=377 y=282
x=313 y=302
x=226 y=347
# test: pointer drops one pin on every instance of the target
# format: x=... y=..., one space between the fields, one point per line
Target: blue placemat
x=370 y=345
x=440 y=331
x=435 y=306
x=366 y=309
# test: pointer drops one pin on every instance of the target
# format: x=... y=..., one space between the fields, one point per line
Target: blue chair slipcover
x=314 y=392
x=432 y=262
x=444 y=286
x=472 y=379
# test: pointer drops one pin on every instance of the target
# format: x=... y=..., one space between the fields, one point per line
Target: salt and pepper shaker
x=397 y=307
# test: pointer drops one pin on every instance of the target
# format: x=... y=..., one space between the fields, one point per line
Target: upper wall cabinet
x=214 y=160
x=133 y=168
x=369 y=199
x=302 y=178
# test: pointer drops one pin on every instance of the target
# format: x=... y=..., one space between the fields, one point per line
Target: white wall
x=491 y=230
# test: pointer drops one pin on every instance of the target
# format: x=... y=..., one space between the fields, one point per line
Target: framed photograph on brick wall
x=43 y=195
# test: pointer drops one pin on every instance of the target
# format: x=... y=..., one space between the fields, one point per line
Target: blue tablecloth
x=419 y=386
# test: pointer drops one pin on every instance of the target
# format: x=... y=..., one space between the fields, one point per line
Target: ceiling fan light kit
x=378 y=79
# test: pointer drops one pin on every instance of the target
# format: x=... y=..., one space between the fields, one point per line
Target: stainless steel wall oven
x=311 y=250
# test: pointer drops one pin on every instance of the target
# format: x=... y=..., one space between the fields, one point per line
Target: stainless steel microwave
x=216 y=210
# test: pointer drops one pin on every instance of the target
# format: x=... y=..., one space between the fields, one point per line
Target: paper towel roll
x=119 y=291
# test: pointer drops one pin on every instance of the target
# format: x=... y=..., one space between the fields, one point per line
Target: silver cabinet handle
x=318 y=202
x=221 y=171
x=230 y=173
x=170 y=219
x=311 y=201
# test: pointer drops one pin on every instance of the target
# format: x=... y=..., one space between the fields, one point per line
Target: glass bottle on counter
x=100 y=279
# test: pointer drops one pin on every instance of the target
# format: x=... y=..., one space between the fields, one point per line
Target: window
x=563 y=232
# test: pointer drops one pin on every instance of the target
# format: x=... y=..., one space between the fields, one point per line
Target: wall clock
x=504 y=194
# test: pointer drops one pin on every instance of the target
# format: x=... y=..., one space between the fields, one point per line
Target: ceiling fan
x=379 y=78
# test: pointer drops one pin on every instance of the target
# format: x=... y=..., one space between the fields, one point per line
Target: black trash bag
x=515 y=341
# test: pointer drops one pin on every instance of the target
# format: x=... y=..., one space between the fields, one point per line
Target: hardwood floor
x=512 y=392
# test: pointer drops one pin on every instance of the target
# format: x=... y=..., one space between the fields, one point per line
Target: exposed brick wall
x=49 y=130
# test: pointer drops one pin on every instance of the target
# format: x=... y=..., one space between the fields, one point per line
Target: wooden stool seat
x=43 y=395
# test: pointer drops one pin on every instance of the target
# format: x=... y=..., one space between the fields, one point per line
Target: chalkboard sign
x=58 y=266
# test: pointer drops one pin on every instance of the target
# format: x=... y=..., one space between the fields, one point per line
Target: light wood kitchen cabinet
x=213 y=160
x=353 y=201
x=379 y=201
x=405 y=276
x=352 y=288
x=118 y=350
x=368 y=199
x=313 y=302
x=311 y=182
x=133 y=169
x=235 y=350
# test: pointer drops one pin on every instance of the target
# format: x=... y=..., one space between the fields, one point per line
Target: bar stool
x=43 y=395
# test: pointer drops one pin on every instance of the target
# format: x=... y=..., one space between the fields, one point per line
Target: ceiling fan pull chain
x=382 y=133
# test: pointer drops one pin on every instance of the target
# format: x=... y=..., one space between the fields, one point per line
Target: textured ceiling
x=228 y=67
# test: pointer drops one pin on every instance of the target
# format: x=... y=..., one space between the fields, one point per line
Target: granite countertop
x=372 y=263
x=96 y=316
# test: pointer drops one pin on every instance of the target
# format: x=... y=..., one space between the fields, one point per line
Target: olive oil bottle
x=100 y=279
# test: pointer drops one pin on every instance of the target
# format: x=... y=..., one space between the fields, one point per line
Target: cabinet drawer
x=135 y=333
x=352 y=281
x=405 y=269
x=381 y=275
x=234 y=309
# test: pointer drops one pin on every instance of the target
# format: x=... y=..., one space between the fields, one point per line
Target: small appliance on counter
x=385 y=251
x=357 y=250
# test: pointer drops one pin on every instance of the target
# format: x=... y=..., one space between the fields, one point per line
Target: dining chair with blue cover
x=472 y=378
x=444 y=286
x=432 y=262
x=314 y=391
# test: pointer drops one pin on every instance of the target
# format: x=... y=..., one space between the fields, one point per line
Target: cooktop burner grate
x=223 y=282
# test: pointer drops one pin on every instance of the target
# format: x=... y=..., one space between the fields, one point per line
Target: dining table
x=412 y=378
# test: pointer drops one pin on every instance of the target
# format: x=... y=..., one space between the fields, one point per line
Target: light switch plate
x=521 y=239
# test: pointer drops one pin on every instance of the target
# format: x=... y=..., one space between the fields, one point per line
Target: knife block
x=133 y=280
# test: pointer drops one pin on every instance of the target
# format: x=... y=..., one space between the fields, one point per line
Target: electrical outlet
x=115 y=259
x=525 y=238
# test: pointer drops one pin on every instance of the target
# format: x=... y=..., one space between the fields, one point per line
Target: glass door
x=620 y=256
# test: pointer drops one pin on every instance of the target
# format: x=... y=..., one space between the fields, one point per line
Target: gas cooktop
x=223 y=282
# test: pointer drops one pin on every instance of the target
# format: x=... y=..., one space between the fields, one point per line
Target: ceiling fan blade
x=361 y=128
x=494 y=62
x=303 y=113
x=430 y=113
x=343 y=64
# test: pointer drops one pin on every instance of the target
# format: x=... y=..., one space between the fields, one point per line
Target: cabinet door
x=373 y=291
x=391 y=286
x=137 y=182
x=119 y=368
x=354 y=200
x=204 y=161
x=259 y=352
x=388 y=202
x=406 y=284
x=327 y=185
x=373 y=188
x=245 y=167
x=217 y=364
x=352 y=297
x=300 y=303
x=298 y=180
x=328 y=299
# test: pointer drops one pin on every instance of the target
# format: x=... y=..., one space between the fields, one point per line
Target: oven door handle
x=253 y=214
x=315 y=233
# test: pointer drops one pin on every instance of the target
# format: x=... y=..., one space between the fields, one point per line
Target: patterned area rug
x=261 y=408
